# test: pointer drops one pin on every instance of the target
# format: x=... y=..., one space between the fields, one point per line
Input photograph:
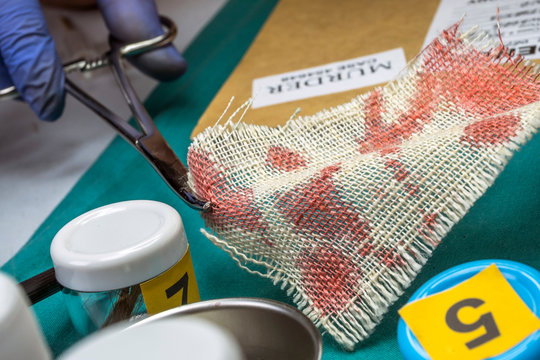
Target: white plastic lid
x=175 y=338
x=118 y=245
x=20 y=336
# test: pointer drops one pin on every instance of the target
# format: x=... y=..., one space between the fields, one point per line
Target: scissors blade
x=158 y=153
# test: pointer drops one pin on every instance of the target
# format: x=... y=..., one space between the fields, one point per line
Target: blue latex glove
x=28 y=58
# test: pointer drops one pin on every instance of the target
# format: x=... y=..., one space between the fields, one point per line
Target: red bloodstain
x=232 y=207
x=475 y=82
x=378 y=136
x=492 y=131
x=318 y=208
x=329 y=278
x=386 y=138
x=400 y=170
x=207 y=177
x=389 y=258
x=283 y=159
x=366 y=248
x=487 y=87
x=380 y=193
x=413 y=189
x=428 y=227
x=430 y=220
x=401 y=173
x=373 y=123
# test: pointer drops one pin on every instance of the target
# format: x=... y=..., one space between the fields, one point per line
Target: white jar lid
x=118 y=245
x=20 y=335
x=176 y=338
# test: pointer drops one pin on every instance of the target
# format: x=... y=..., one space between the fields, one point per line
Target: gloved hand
x=29 y=61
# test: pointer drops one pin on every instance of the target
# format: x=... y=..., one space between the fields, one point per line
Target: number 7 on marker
x=181 y=284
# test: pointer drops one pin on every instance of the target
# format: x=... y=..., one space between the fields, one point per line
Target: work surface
x=502 y=224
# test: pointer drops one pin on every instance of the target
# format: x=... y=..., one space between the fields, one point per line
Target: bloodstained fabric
x=342 y=208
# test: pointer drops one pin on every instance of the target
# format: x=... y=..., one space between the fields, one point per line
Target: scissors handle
x=41 y=286
x=85 y=65
x=147 y=139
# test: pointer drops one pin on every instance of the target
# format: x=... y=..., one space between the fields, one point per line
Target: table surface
x=503 y=224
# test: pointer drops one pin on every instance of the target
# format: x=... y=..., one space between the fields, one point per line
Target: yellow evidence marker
x=176 y=286
x=477 y=319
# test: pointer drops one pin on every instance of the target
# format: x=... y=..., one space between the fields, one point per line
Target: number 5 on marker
x=485 y=320
x=480 y=318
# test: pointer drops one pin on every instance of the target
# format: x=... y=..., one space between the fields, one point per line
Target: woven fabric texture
x=342 y=208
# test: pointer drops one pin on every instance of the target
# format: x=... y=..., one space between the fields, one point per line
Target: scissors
x=147 y=140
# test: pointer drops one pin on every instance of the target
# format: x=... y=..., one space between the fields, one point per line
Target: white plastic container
x=20 y=335
x=187 y=339
x=123 y=261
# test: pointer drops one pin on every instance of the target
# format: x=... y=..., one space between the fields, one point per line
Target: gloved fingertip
x=46 y=93
x=135 y=20
x=162 y=64
x=51 y=107
x=30 y=59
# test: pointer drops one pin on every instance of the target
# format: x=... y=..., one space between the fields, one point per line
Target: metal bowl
x=265 y=329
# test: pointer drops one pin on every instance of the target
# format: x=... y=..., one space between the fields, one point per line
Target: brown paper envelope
x=305 y=33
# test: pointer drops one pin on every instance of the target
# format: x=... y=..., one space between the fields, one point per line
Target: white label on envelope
x=328 y=79
x=519 y=21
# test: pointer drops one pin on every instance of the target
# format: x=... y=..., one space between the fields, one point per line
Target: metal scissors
x=147 y=139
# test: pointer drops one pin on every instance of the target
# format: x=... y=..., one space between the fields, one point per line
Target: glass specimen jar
x=123 y=261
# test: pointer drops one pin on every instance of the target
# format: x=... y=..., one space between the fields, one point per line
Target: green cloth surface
x=503 y=224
